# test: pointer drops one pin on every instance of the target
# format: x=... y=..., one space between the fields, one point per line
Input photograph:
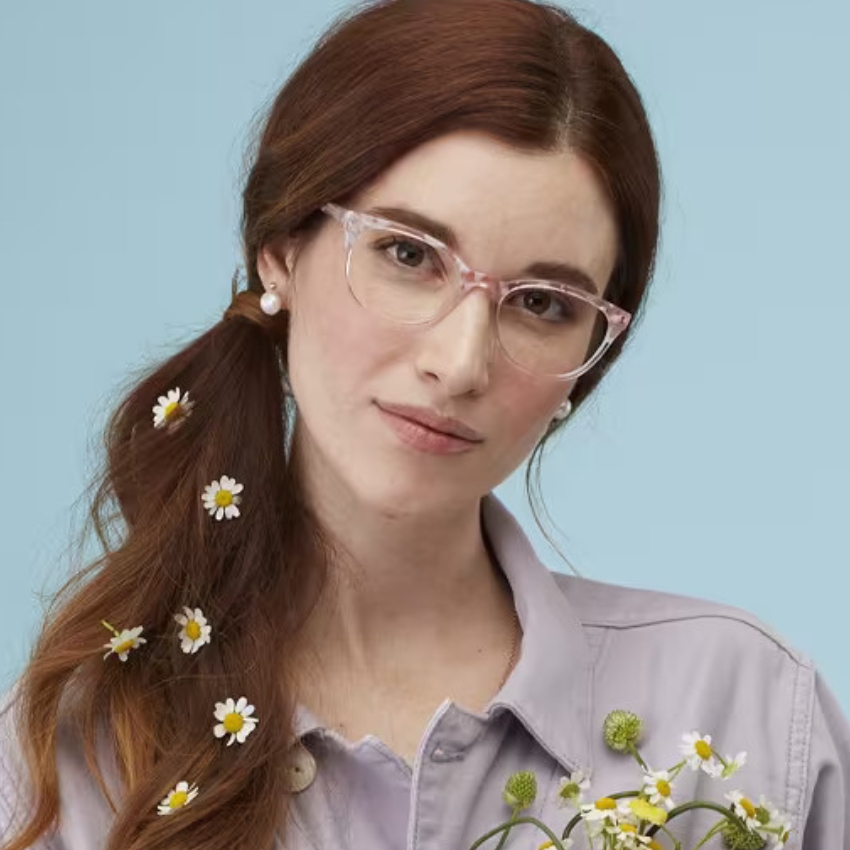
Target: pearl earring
x=563 y=410
x=270 y=301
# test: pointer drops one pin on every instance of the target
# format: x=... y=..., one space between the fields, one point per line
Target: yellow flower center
x=627 y=827
x=124 y=646
x=223 y=498
x=193 y=630
x=172 y=409
x=654 y=845
x=545 y=845
x=605 y=803
x=663 y=787
x=703 y=750
x=233 y=722
x=176 y=799
x=747 y=806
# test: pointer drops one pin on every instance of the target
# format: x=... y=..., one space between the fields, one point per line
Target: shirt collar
x=548 y=690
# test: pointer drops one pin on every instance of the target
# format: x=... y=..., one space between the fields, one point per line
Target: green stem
x=505 y=834
x=677 y=845
x=111 y=628
x=711 y=833
x=572 y=824
x=700 y=804
x=636 y=754
x=515 y=822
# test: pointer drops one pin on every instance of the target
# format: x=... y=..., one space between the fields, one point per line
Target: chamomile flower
x=657 y=785
x=123 y=641
x=181 y=795
x=172 y=409
x=746 y=810
x=778 y=825
x=571 y=789
x=697 y=750
x=602 y=816
x=195 y=631
x=221 y=498
x=235 y=720
x=626 y=837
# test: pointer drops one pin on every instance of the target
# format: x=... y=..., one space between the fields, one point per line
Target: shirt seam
x=799 y=745
x=797 y=656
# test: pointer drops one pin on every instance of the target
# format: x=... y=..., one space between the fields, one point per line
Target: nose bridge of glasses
x=471 y=279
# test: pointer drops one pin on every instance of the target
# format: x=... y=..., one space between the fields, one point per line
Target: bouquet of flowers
x=631 y=820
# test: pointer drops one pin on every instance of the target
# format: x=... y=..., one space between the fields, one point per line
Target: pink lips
x=434 y=421
x=426 y=430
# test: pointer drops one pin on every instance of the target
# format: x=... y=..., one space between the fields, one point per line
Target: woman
x=323 y=630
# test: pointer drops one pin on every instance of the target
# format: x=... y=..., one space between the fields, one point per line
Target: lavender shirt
x=682 y=664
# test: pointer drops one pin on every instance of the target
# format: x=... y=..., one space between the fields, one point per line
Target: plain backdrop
x=715 y=458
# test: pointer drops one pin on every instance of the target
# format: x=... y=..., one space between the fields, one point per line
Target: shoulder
x=692 y=621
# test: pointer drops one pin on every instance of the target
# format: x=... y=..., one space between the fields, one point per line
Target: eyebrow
x=543 y=269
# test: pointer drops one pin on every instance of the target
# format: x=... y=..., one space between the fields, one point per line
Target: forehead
x=509 y=208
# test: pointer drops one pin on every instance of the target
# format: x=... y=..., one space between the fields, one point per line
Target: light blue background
x=715 y=459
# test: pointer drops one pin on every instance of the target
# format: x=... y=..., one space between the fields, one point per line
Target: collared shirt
x=682 y=664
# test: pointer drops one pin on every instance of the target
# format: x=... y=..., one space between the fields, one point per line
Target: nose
x=458 y=350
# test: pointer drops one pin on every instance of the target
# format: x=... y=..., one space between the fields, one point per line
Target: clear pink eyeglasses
x=544 y=327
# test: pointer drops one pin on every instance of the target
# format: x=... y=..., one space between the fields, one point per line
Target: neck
x=408 y=588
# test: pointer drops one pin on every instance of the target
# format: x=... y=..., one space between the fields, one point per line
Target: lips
x=426 y=417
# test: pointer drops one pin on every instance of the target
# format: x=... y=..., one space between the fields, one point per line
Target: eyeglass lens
x=541 y=328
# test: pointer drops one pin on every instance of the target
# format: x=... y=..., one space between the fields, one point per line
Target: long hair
x=386 y=77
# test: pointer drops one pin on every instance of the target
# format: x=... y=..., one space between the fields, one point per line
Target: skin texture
x=415 y=589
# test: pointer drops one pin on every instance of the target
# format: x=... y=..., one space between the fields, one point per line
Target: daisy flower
x=179 y=797
x=603 y=815
x=235 y=720
x=220 y=498
x=778 y=825
x=123 y=642
x=195 y=631
x=744 y=808
x=571 y=789
x=626 y=836
x=658 y=787
x=172 y=409
x=697 y=750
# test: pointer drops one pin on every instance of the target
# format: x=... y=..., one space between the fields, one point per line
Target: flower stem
x=711 y=833
x=505 y=834
x=505 y=827
x=700 y=804
x=636 y=754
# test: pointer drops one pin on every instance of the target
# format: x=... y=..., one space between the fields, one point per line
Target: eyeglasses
x=544 y=327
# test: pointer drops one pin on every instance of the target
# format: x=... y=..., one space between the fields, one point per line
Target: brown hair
x=385 y=78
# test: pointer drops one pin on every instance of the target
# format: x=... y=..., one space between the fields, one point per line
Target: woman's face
x=509 y=209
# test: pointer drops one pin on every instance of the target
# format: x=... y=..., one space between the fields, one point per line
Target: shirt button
x=302 y=770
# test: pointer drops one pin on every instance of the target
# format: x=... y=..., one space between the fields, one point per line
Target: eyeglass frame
x=355 y=222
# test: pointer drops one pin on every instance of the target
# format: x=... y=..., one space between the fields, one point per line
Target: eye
x=406 y=252
x=547 y=304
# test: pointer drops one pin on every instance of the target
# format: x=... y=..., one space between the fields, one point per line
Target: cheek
x=524 y=409
x=335 y=347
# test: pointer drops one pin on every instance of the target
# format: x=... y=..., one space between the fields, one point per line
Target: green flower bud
x=762 y=815
x=741 y=838
x=520 y=789
x=622 y=730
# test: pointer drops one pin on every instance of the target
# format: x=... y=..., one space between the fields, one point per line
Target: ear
x=272 y=271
